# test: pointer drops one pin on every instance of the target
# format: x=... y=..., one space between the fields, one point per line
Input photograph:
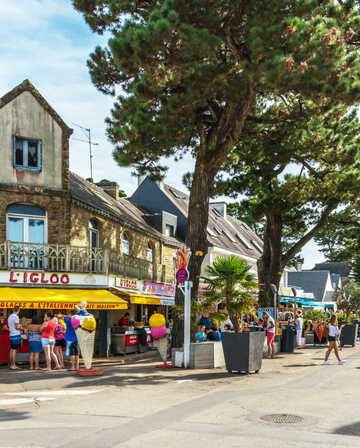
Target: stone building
x=56 y=225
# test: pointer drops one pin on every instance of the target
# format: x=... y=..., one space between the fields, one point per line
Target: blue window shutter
x=40 y=155
x=14 y=150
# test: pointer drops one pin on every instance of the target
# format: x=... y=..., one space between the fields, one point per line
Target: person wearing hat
x=299 y=328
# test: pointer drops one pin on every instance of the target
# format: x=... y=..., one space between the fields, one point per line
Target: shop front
x=35 y=292
x=144 y=298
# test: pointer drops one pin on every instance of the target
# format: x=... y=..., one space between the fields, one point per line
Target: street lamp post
x=294 y=292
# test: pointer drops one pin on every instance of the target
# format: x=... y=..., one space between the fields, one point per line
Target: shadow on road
x=13 y=415
x=349 y=430
x=301 y=365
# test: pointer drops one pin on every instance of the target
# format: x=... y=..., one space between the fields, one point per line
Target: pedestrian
x=227 y=328
x=205 y=320
x=34 y=338
x=212 y=334
x=270 y=334
x=59 y=339
x=48 y=340
x=72 y=345
x=15 y=336
x=299 y=328
x=333 y=334
x=200 y=336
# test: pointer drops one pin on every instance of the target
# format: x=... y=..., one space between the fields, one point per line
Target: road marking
x=55 y=392
x=182 y=381
x=14 y=401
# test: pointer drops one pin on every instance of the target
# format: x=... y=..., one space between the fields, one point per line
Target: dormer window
x=27 y=153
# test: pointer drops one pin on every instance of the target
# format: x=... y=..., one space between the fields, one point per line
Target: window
x=26 y=224
x=93 y=233
x=244 y=241
x=228 y=234
x=149 y=253
x=27 y=153
x=258 y=247
x=125 y=244
x=169 y=230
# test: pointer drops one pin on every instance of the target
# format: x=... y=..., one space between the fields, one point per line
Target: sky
x=48 y=42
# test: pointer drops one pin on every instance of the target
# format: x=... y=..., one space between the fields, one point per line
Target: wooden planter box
x=203 y=355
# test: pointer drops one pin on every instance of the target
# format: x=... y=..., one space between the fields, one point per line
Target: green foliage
x=315 y=315
x=339 y=239
x=230 y=281
x=187 y=67
x=296 y=164
x=342 y=319
x=351 y=301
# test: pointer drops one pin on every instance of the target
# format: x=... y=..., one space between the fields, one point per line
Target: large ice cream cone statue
x=159 y=334
x=86 y=340
x=84 y=324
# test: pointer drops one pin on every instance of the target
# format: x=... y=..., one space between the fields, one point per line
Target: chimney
x=111 y=188
x=220 y=207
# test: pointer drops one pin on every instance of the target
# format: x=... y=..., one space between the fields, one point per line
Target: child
x=201 y=335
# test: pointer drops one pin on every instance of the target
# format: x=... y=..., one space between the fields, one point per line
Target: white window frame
x=150 y=251
x=96 y=231
x=26 y=219
x=122 y=243
x=171 y=229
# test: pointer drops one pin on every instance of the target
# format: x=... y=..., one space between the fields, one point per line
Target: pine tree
x=295 y=166
x=187 y=74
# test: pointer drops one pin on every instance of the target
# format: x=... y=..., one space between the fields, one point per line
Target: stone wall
x=110 y=235
x=56 y=205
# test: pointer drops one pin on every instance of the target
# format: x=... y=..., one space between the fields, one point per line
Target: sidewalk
x=140 y=371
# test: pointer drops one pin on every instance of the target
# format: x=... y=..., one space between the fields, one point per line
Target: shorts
x=332 y=338
x=74 y=349
x=47 y=342
x=35 y=346
x=60 y=343
x=270 y=337
x=15 y=342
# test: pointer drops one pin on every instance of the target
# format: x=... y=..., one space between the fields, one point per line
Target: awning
x=144 y=300
x=59 y=298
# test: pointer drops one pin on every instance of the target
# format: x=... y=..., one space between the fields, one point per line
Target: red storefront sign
x=39 y=277
x=126 y=283
x=131 y=339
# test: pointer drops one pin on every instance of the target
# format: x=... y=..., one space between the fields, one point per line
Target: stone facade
x=56 y=205
x=110 y=235
x=25 y=113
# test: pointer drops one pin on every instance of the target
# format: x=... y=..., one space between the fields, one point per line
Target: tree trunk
x=269 y=265
x=196 y=240
x=213 y=149
x=232 y=316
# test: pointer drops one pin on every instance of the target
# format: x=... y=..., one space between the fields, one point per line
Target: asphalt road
x=140 y=406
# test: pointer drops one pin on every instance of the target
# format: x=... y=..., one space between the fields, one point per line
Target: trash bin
x=288 y=338
x=348 y=335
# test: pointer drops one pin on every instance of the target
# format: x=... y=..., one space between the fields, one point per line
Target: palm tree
x=230 y=281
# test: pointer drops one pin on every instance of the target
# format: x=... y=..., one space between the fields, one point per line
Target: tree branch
x=308 y=236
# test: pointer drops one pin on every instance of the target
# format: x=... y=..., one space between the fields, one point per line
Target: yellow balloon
x=89 y=323
x=157 y=320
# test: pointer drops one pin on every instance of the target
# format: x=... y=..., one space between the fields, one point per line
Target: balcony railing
x=66 y=258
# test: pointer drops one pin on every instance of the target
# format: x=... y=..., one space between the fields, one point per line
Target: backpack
x=326 y=332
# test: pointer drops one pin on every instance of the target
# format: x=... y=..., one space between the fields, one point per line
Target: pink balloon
x=158 y=332
x=75 y=322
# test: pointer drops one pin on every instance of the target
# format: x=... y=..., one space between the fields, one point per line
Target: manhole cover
x=282 y=419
